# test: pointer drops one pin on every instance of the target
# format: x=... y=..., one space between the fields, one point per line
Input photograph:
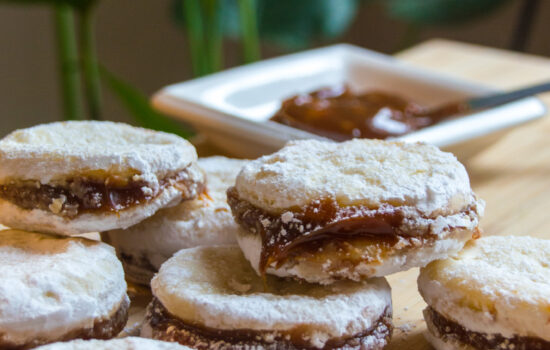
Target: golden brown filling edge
x=325 y=225
x=85 y=195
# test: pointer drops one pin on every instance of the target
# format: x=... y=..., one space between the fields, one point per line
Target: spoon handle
x=505 y=97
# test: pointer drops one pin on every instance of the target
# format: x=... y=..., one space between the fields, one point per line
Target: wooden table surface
x=512 y=176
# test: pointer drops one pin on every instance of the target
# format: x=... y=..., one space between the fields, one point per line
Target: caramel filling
x=168 y=327
x=102 y=329
x=449 y=329
x=323 y=229
x=86 y=195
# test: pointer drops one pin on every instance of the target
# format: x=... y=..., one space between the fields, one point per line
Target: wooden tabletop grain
x=512 y=176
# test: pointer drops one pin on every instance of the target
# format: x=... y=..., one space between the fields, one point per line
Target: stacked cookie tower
x=64 y=179
x=320 y=225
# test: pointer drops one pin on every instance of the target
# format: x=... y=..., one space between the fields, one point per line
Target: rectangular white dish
x=232 y=108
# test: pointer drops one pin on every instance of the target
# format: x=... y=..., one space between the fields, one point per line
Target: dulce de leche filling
x=88 y=195
x=168 y=327
x=324 y=228
x=448 y=329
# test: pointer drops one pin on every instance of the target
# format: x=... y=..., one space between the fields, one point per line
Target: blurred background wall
x=138 y=40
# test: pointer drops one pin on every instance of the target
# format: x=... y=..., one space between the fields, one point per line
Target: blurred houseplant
x=289 y=24
x=294 y=25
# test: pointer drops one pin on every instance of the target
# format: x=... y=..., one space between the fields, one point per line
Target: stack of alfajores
x=321 y=223
x=289 y=251
x=61 y=180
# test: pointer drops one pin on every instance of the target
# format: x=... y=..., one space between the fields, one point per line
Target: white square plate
x=232 y=108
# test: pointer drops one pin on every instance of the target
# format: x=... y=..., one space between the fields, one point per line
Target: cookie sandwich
x=83 y=176
x=129 y=343
x=324 y=211
x=57 y=288
x=211 y=298
x=495 y=294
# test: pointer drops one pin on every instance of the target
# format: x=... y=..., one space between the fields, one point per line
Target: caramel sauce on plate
x=340 y=114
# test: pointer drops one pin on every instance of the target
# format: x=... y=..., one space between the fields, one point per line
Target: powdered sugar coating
x=203 y=221
x=130 y=343
x=55 y=151
x=357 y=172
x=52 y=285
x=497 y=284
x=216 y=287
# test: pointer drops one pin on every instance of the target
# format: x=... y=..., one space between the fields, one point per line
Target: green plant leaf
x=189 y=13
x=202 y=20
x=213 y=34
x=440 y=11
x=90 y=64
x=289 y=23
x=297 y=24
x=67 y=57
x=249 y=30
x=139 y=107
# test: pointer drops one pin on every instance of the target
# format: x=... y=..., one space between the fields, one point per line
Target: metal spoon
x=477 y=103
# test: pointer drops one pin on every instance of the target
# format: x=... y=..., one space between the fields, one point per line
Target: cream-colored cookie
x=210 y=297
x=203 y=221
x=130 y=343
x=82 y=176
x=56 y=288
x=361 y=172
x=323 y=211
x=495 y=294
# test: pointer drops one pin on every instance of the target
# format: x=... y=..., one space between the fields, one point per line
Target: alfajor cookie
x=495 y=294
x=56 y=289
x=207 y=221
x=130 y=343
x=210 y=298
x=323 y=211
x=83 y=176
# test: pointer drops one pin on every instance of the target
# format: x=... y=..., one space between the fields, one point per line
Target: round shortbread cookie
x=494 y=294
x=323 y=211
x=130 y=343
x=359 y=172
x=83 y=176
x=56 y=289
x=210 y=297
x=205 y=221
